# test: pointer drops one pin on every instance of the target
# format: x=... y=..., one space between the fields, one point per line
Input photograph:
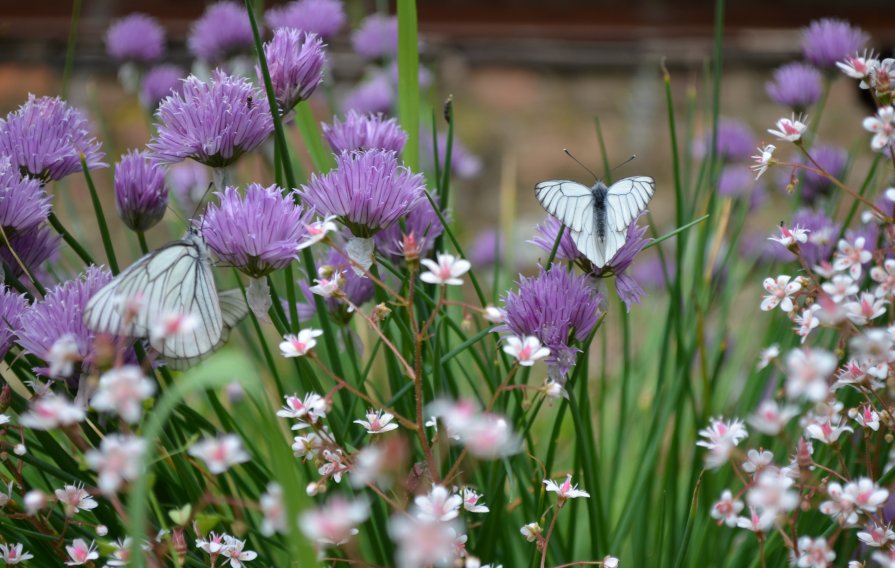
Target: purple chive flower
x=735 y=141
x=23 y=202
x=822 y=236
x=256 y=233
x=136 y=37
x=60 y=313
x=158 y=83
x=223 y=30
x=736 y=180
x=422 y=222
x=833 y=160
x=188 y=182
x=829 y=40
x=649 y=271
x=554 y=306
x=213 y=123
x=377 y=37
x=140 y=193
x=545 y=237
x=368 y=191
x=357 y=289
x=376 y=94
x=464 y=164
x=11 y=307
x=626 y=286
x=796 y=85
x=322 y=17
x=33 y=247
x=45 y=138
x=295 y=60
x=364 y=132
x=486 y=248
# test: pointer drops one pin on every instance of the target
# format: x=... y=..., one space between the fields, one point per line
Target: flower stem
x=100 y=218
x=69 y=239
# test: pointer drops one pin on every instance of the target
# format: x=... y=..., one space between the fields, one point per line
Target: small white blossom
x=527 y=350
x=885 y=276
x=757 y=460
x=770 y=419
x=317 y=231
x=378 y=422
x=773 y=492
x=51 y=411
x=851 y=257
x=827 y=431
x=727 y=508
x=73 y=498
x=220 y=453
x=840 y=287
x=779 y=292
x=234 y=550
x=328 y=286
x=310 y=409
x=758 y=520
x=720 y=439
x=80 y=553
x=789 y=237
x=116 y=460
x=790 y=129
x=62 y=356
x=494 y=314
x=14 y=554
x=447 y=270
x=814 y=553
x=807 y=373
x=565 y=490
x=273 y=509
x=471 y=501
x=866 y=417
x=299 y=345
x=123 y=390
x=858 y=66
x=439 y=505
x=531 y=531
x=767 y=355
x=882 y=125
x=34 y=501
x=173 y=324
x=876 y=535
x=762 y=159
x=335 y=522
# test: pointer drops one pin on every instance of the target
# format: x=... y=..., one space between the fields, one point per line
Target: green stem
x=141 y=237
x=408 y=81
x=69 y=239
x=100 y=218
x=70 y=47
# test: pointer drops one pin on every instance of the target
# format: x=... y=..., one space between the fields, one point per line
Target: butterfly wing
x=569 y=201
x=625 y=200
x=233 y=309
x=176 y=278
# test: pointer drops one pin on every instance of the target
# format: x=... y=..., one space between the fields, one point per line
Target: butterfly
x=175 y=279
x=597 y=216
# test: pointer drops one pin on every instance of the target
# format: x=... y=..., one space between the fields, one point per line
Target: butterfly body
x=174 y=279
x=598 y=216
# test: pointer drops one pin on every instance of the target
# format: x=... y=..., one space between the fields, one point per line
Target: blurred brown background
x=528 y=77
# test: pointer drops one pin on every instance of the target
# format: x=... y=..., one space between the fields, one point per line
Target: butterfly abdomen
x=600 y=191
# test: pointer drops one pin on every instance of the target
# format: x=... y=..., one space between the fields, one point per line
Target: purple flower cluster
x=45 y=138
x=256 y=233
x=735 y=141
x=422 y=222
x=213 y=123
x=223 y=30
x=140 y=193
x=796 y=85
x=368 y=191
x=136 y=37
x=377 y=37
x=829 y=40
x=822 y=236
x=295 y=61
x=364 y=132
x=32 y=247
x=158 y=83
x=12 y=306
x=322 y=17
x=60 y=313
x=545 y=237
x=23 y=202
x=554 y=306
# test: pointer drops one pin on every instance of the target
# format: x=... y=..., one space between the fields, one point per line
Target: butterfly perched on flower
x=597 y=216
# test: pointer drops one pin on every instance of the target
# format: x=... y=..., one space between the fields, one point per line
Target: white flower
x=123 y=390
x=308 y=446
x=762 y=159
x=840 y=287
x=299 y=345
x=720 y=439
x=727 y=508
x=173 y=324
x=117 y=460
x=772 y=492
x=565 y=490
x=50 y=412
x=789 y=129
x=883 y=127
x=554 y=390
x=439 y=505
x=335 y=522
x=13 y=554
x=447 y=270
x=73 y=498
x=317 y=231
x=333 y=465
x=311 y=409
x=34 y=501
x=214 y=544
x=527 y=349
x=757 y=460
x=273 y=508
x=884 y=559
x=233 y=549
x=807 y=373
x=859 y=66
x=423 y=543
x=814 y=553
x=866 y=417
x=866 y=308
x=789 y=237
x=378 y=422
x=827 y=431
x=851 y=256
x=866 y=494
x=876 y=535
x=328 y=286
x=471 y=501
x=757 y=521
x=220 y=453
x=496 y=315
x=488 y=436
x=62 y=356
x=779 y=292
x=885 y=275
x=770 y=419
x=531 y=531
x=610 y=561
x=80 y=553
x=121 y=552
x=807 y=321
x=767 y=355
x=20 y=449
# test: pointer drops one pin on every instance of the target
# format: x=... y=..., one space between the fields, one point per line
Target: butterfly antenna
x=569 y=154
x=631 y=159
x=201 y=200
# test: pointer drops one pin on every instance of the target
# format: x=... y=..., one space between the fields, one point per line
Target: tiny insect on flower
x=790 y=129
x=527 y=350
x=447 y=270
x=299 y=345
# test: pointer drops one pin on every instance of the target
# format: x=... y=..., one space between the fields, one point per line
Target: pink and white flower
x=885 y=276
x=840 y=287
x=493 y=314
x=317 y=231
x=773 y=492
x=807 y=373
x=757 y=460
x=806 y=322
x=727 y=508
x=720 y=439
x=335 y=522
x=827 y=430
x=882 y=125
x=768 y=354
x=814 y=553
x=769 y=418
x=471 y=501
x=122 y=390
x=851 y=257
x=526 y=350
x=762 y=160
x=447 y=270
x=74 y=498
x=329 y=284
x=439 y=505
x=758 y=521
x=310 y=409
x=378 y=422
x=173 y=324
x=234 y=550
x=273 y=509
x=13 y=554
x=63 y=355
x=118 y=459
x=790 y=129
x=565 y=490
x=876 y=535
x=299 y=345
x=51 y=411
x=220 y=453
x=866 y=417
x=80 y=553
x=859 y=66
x=780 y=291
x=867 y=307
x=789 y=237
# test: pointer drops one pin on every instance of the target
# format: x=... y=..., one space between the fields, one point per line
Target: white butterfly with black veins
x=598 y=216
x=175 y=279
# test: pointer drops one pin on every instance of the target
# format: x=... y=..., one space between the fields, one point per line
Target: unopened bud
x=178 y=540
x=380 y=312
x=412 y=248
